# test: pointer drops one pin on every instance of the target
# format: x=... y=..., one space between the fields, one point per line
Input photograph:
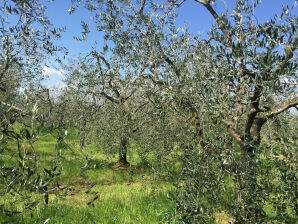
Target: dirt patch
x=121 y=166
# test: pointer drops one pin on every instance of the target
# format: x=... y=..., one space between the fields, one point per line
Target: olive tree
x=231 y=85
x=106 y=81
x=255 y=64
x=26 y=38
x=149 y=44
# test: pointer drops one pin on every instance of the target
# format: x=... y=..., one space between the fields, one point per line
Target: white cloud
x=52 y=72
x=53 y=79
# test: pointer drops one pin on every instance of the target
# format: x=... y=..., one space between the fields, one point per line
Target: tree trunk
x=60 y=135
x=123 y=150
x=248 y=205
x=83 y=133
x=253 y=140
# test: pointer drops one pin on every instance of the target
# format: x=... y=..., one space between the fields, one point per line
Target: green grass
x=116 y=203
x=134 y=195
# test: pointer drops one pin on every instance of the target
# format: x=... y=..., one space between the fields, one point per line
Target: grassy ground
x=98 y=194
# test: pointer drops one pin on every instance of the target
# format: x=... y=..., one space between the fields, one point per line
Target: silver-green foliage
x=225 y=90
x=26 y=39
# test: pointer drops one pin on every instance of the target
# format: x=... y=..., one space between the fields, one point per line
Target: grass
x=98 y=194
x=116 y=203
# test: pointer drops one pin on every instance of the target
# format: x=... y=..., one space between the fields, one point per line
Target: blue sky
x=191 y=13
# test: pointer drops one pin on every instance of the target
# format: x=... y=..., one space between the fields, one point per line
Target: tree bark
x=123 y=150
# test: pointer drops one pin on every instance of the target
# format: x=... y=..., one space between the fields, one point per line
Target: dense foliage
x=26 y=39
x=214 y=116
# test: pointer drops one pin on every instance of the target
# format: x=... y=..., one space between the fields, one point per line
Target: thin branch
x=123 y=99
x=98 y=56
x=140 y=106
x=221 y=25
x=289 y=53
x=101 y=73
x=142 y=7
x=177 y=4
x=167 y=59
x=156 y=38
x=115 y=90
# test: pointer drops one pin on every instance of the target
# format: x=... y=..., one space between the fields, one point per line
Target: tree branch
x=221 y=25
x=100 y=57
x=142 y=7
x=110 y=98
x=177 y=4
x=167 y=59
x=140 y=106
x=115 y=90
x=289 y=53
x=282 y=107
x=157 y=40
x=15 y=109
